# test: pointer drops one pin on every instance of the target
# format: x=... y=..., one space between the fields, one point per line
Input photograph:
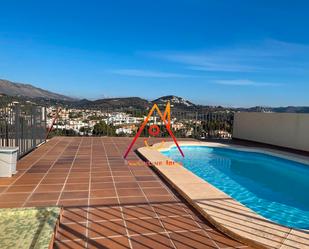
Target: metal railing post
x=17 y=125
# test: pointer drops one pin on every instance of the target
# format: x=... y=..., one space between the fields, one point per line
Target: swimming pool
x=275 y=188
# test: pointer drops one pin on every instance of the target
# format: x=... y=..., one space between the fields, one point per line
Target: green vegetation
x=62 y=132
x=137 y=113
x=94 y=117
x=85 y=129
x=102 y=129
x=75 y=114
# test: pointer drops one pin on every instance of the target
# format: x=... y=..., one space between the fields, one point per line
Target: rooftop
x=107 y=203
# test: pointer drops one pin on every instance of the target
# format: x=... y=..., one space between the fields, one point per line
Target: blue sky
x=232 y=53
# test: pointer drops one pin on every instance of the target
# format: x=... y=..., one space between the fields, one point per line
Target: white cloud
x=266 y=56
x=244 y=82
x=148 y=73
x=206 y=62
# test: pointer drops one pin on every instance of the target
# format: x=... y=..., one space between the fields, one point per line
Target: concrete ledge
x=288 y=130
x=225 y=213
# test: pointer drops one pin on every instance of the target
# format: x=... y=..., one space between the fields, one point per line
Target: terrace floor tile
x=130 y=192
x=162 y=199
x=103 y=193
x=2 y=188
x=180 y=223
x=21 y=188
x=169 y=210
x=133 y=200
x=126 y=185
x=102 y=185
x=113 y=243
x=106 y=228
x=76 y=244
x=188 y=240
x=48 y=188
x=155 y=191
x=102 y=179
x=143 y=226
x=73 y=202
x=77 y=180
x=141 y=211
x=106 y=203
x=74 y=215
x=44 y=196
x=13 y=197
x=151 y=184
x=77 y=187
x=45 y=203
x=101 y=214
x=71 y=231
x=124 y=179
x=161 y=241
x=53 y=181
x=74 y=195
x=221 y=240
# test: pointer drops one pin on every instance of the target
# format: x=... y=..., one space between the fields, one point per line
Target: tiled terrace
x=107 y=203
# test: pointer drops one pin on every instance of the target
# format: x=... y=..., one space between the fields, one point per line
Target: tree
x=102 y=129
x=75 y=114
x=85 y=129
x=62 y=132
x=94 y=117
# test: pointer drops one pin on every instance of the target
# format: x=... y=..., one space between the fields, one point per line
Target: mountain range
x=26 y=90
x=44 y=97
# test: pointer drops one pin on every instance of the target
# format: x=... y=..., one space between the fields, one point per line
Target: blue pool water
x=275 y=188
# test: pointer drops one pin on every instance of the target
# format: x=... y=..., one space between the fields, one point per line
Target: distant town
x=87 y=122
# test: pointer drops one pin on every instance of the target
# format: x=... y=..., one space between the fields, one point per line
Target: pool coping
x=226 y=214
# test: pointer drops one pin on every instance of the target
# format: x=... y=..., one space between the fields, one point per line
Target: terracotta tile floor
x=107 y=203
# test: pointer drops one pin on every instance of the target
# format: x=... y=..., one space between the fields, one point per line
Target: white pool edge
x=225 y=213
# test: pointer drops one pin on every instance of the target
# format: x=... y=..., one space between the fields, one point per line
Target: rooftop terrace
x=107 y=203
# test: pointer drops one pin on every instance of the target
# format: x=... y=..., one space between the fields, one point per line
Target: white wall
x=283 y=129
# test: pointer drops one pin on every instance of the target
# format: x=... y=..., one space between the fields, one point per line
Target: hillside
x=26 y=90
x=136 y=103
x=113 y=103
